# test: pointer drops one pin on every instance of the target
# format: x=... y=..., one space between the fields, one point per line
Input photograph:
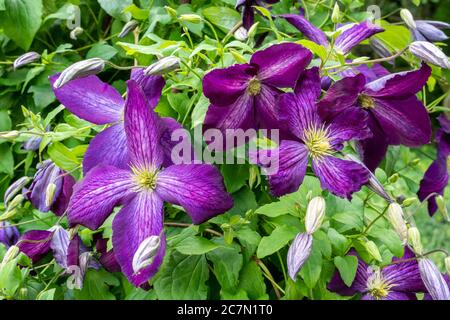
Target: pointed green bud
x=440 y=202
x=372 y=249
x=408 y=18
x=408 y=202
x=9 y=134
x=192 y=18
x=10 y=255
x=15 y=202
x=393 y=178
x=252 y=31
x=414 y=240
x=395 y=217
x=172 y=12
x=315 y=213
x=336 y=14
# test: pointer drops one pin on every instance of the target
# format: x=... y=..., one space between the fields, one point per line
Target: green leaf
x=63 y=156
x=96 y=286
x=183 y=277
x=46 y=295
x=279 y=237
x=137 y=13
x=6 y=160
x=310 y=272
x=338 y=241
x=251 y=280
x=389 y=238
x=227 y=262
x=347 y=268
x=249 y=240
x=317 y=49
x=10 y=278
x=223 y=17
x=101 y=50
x=21 y=20
x=115 y=8
x=394 y=37
x=199 y=112
x=195 y=245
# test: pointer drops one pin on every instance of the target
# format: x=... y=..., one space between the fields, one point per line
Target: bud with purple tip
x=165 y=65
x=9 y=235
x=428 y=52
x=298 y=253
x=127 y=28
x=433 y=280
x=14 y=189
x=80 y=69
x=25 y=59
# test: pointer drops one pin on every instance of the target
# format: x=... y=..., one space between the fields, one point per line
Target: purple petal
x=363 y=273
x=373 y=149
x=434 y=180
x=198 y=188
x=374 y=73
x=139 y=219
x=248 y=16
x=151 y=85
x=266 y=106
x=445 y=123
x=430 y=32
x=291 y=159
x=59 y=245
x=309 y=30
x=349 y=124
x=435 y=23
x=107 y=258
x=224 y=86
x=404 y=121
x=397 y=85
x=90 y=99
x=169 y=126
x=63 y=198
x=9 y=235
x=109 y=147
x=356 y=34
x=394 y=295
x=309 y=85
x=340 y=177
x=298 y=253
x=341 y=95
x=143 y=129
x=35 y=244
x=97 y=194
x=280 y=65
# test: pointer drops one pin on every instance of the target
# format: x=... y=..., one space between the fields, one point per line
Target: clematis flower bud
x=189 y=17
x=25 y=59
x=59 y=245
x=162 y=66
x=145 y=254
x=9 y=134
x=414 y=240
x=314 y=214
x=336 y=14
x=128 y=27
x=10 y=254
x=447 y=265
x=428 y=52
x=80 y=69
x=408 y=18
x=171 y=12
x=433 y=280
x=298 y=253
x=9 y=235
x=76 y=32
x=440 y=202
x=408 y=202
x=241 y=34
x=15 y=202
x=15 y=188
x=372 y=249
x=50 y=194
x=395 y=216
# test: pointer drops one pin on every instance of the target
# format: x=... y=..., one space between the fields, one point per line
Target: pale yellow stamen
x=254 y=87
x=144 y=178
x=317 y=142
x=366 y=102
x=377 y=286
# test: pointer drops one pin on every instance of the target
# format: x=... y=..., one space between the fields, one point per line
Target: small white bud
x=434 y=281
x=9 y=134
x=408 y=18
x=145 y=254
x=241 y=34
x=80 y=69
x=315 y=214
x=25 y=59
x=50 y=194
x=336 y=14
x=440 y=202
x=162 y=66
x=414 y=240
x=395 y=216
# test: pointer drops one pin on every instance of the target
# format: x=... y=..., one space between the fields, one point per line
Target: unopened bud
x=252 y=31
x=254 y=178
x=315 y=214
x=76 y=32
x=414 y=240
x=395 y=216
x=408 y=202
x=336 y=14
x=25 y=59
x=241 y=34
x=9 y=134
x=434 y=281
x=80 y=69
x=447 y=265
x=298 y=253
x=15 y=188
x=393 y=178
x=127 y=28
x=146 y=253
x=440 y=202
x=15 y=202
x=50 y=194
x=408 y=18
x=162 y=66
x=190 y=17
x=428 y=52
x=372 y=249
x=171 y=12
x=10 y=254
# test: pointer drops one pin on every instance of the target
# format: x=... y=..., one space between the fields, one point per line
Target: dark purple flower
x=428 y=30
x=316 y=139
x=398 y=281
x=48 y=173
x=248 y=15
x=348 y=39
x=95 y=101
x=435 y=178
x=8 y=234
x=35 y=244
x=138 y=237
x=107 y=257
x=243 y=96
x=394 y=114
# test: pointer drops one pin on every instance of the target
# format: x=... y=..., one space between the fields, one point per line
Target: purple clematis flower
x=47 y=173
x=138 y=237
x=348 y=39
x=398 y=281
x=248 y=15
x=8 y=234
x=429 y=30
x=95 y=101
x=435 y=178
x=394 y=114
x=243 y=96
x=316 y=139
x=35 y=244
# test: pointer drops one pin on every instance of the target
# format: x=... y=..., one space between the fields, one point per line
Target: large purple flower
x=138 y=237
x=398 y=281
x=394 y=114
x=243 y=96
x=348 y=39
x=435 y=178
x=316 y=139
x=95 y=101
x=248 y=15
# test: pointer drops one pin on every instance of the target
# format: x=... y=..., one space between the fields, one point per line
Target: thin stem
x=186 y=225
x=269 y=276
x=115 y=66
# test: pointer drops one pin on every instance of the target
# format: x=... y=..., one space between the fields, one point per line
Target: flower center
x=145 y=179
x=254 y=87
x=366 y=102
x=377 y=286
x=317 y=142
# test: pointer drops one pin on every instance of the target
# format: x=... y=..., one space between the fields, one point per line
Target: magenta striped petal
x=309 y=30
x=35 y=244
x=151 y=85
x=356 y=34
